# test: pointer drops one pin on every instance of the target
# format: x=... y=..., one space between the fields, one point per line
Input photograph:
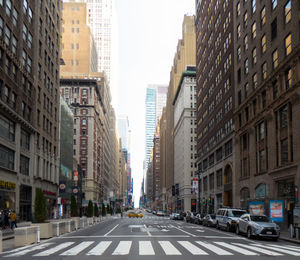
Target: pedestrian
x=13 y=219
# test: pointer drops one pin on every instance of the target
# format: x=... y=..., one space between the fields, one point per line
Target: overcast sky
x=147 y=33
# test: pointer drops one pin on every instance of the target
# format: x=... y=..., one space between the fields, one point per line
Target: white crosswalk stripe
x=123 y=248
x=235 y=248
x=168 y=247
x=100 y=248
x=151 y=248
x=192 y=248
x=213 y=248
x=77 y=249
x=146 y=248
x=257 y=249
x=55 y=249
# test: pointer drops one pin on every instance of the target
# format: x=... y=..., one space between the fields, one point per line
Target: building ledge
x=284 y=168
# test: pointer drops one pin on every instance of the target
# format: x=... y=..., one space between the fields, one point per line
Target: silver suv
x=227 y=218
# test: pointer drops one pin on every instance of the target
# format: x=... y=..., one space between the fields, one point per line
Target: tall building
x=99 y=19
x=267 y=47
x=123 y=127
x=215 y=91
x=78 y=45
x=185 y=154
x=29 y=103
x=155 y=101
x=185 y=56
x=156 y=169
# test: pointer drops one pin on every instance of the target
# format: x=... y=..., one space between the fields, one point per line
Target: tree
x=89 y=211
x=40 y=209
x=103 y=210
x=74 y=212
x=96 y=210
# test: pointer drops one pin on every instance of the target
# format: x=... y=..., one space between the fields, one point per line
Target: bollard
x=57 y=229
x=76 y=225
x=69 y=226
x=291 y=231
x=38 y=234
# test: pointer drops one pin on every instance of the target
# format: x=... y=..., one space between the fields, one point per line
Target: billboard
x=257 y=207
x=276 y=210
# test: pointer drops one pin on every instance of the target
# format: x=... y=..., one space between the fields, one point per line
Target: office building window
x=24 y=165
x=7 y=158
x=287 y=12
x=288 y=44
x=254 y=57
x=264 y=71
x=288 y=78
x=253 y=30
x=263 y=16
x=263 y=44
x=275 y=59
x=253 y=4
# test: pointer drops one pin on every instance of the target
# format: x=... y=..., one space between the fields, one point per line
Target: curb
x=290 y=240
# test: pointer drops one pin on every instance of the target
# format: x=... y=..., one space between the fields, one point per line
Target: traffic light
x=177 y=189
x=173 y=190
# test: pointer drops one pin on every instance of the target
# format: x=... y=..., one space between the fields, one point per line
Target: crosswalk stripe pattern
x=145 y=248
x=213 y=248
x=77 y=249
x=192 y=248
x=148 y=248
x=123 y=248
x=55 y=249
x=260 y=250
x=100 y=248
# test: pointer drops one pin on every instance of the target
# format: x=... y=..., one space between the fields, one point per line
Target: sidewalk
x=285 y=235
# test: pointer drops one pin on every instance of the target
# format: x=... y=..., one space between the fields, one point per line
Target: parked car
x=227 y=218
x=257 y=226
x=132 y=214
x=160 y=213
x=199 y=219
x=209 y=220
x=190 y=217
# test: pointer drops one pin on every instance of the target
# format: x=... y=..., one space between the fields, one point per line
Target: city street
x=152 y=237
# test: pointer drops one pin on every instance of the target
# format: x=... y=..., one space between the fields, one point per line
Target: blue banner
x=276 y=208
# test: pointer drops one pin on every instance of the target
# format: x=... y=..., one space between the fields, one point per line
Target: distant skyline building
x=124 y=131
x=100 y=16
x=155 y=101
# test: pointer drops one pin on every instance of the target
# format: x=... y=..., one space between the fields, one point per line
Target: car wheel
x=228 y=228
x=237 y=230
x=249 y=233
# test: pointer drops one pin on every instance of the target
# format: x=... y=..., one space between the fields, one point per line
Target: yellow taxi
x=139 y=214
x=132 y=214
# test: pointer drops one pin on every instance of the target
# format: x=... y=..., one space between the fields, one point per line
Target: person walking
x=13 y=219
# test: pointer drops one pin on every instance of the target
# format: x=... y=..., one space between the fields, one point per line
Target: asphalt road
x=153 y=237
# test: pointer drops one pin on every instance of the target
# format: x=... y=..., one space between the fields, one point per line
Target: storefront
x=50 y=203
x=7 y=195
x=25 y=203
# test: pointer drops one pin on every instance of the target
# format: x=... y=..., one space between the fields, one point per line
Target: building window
x=263 y=16
x=263 y=44
x=239 y=53
x=228 y=148
x=288 y=78
x=274 y=4
x=211 y=182
x=262 y=160
x=287 y=11
x=7 y=35
x=246 y=43
x=261 y=131
x=7 y=128
x=254 y=80
x=254 y=57
x=238 y=9
x=246 y=65
x=219 y=178
x=283 y=116
x=25 y=139
x=83 y=121
x=288 y=44
x=245 y=19
x=253 y=4
x=275 y=89
x=7 y=158
x=275 y=59
x=284 y=151
x=24 y=165
x=264 y=71
x=253 y=30
x=274 y=29
x=238 y=31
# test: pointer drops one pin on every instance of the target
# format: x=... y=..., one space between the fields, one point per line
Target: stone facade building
x=267 y=61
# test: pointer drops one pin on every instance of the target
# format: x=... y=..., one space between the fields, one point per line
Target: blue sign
x=276 y=208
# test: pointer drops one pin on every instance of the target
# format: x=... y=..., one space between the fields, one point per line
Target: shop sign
x=47 y=192
x=257 y=207
x=62 y=187
x=75 y=190
x=7 y=185
x=75 y=176
x=276 y=210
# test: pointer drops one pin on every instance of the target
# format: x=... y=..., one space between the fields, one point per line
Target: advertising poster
x=276 y=210
x=257 y=208
x=195 y=186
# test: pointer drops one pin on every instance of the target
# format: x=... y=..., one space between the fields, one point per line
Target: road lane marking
x=100 y=248
x=194 y=250
x=18 y=249
x=215 y=249
x=55 y=249
x=111 y=230
x=236 y=249
x=239 y=238
x=24 y=252
x=145 y=248
x=123 y=248
x=123 y=236
x=257 y=249
x=149 y=234
x=169 y=248
x=77 y=249
x=279 y=249
x=185 y=232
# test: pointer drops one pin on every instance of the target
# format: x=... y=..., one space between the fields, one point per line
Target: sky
x=146 y=37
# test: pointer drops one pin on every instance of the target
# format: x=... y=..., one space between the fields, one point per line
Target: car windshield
x=213 y=216
x=260 y=219
x=236 y=213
